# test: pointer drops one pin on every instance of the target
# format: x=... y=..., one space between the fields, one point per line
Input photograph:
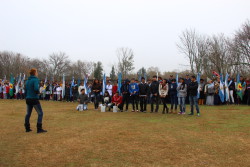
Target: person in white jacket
x=163 y=92
x=109 y=88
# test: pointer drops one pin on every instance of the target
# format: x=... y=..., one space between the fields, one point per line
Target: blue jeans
x=182 y=103
x=38 y=109
x=174 y=101
x=194 y=101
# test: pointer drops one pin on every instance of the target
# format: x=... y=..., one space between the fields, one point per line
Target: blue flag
x=145 y=76
x=72 y=85
x=119 y=82
x=78 y=82
x=221 y=91
x=63 y=87
x=199 y=81
x=226 y=88
x=103 y=84
x=85 y=85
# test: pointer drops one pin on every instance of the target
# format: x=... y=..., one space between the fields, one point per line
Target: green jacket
x=32 y=88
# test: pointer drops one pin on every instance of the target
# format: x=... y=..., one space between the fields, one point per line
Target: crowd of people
x=139 y=94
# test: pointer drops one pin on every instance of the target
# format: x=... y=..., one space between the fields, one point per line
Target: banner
x=85 y=85
x=63 y=87
x=221 y=91
x=18 y=82
x=11 y=85
x=72 y=85
x=103 y=84
x=239 y=88
x=119 y=82
x=198 y=81
x=226 y=88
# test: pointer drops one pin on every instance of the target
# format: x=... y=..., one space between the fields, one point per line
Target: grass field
x=220 y=137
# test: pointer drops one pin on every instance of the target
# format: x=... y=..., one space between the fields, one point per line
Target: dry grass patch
x=220 y=137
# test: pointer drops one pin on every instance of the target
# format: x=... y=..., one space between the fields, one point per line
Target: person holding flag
x=32 y=101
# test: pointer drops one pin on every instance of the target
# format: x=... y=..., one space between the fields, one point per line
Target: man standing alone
x=32 y=101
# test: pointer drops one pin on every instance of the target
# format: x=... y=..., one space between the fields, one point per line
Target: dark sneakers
x=40 y=129
x=191 y=114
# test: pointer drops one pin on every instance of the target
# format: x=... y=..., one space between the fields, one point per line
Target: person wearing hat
x=125 y=94
x=143 y=94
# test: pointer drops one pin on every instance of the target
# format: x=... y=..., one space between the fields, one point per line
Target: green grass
x=220 y=137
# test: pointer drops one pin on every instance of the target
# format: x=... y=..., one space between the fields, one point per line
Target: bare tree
x=188 y=46
x=59 y=63
x=80 y=69
x=242 y=41
x=125 y=61
x=151 y=71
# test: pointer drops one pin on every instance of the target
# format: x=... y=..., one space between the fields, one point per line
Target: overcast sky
x=93 y=30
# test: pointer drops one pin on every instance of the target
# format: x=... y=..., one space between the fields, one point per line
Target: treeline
x=205 y=54
x=218 y=52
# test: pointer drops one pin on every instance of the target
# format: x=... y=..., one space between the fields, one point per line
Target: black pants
x=155 y=100
x=125 y=99
x=47 y=97
x=248 y=98
x=143 y=103
x=164 y=102
x=67 y=98
x=134 y=100
x=96 y=100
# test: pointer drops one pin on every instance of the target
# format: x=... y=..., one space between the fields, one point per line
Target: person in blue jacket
x=32 y=101
x=173 y=95
x=134 y=90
